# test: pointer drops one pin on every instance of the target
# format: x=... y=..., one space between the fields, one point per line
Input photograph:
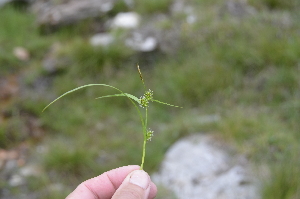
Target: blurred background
x=234 y=65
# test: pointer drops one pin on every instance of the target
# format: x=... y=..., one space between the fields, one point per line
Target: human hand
x=127 y=182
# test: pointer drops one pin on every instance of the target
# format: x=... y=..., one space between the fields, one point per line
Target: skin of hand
x=128 y=182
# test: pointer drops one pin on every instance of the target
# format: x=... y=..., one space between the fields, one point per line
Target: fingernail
x=140 y=178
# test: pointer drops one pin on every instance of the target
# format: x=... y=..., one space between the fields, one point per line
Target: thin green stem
x=145 y=138
x=146 y=120
x=144 y=153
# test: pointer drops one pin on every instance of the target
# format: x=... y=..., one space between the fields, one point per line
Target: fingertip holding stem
x=140 y=178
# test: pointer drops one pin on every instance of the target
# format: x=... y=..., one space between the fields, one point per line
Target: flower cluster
x=149 y=135
x=148 y=96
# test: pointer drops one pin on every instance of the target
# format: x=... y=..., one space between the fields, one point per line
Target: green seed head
x=149 y=135
x=148 y=96
x=144 y=102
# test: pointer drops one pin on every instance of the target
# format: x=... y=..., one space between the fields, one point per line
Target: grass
x=153 y=6
x=10 y=37
x=71 y=161
x=258 y=133
x=276 y=4
x=244 y=71
x=98 y=59
x=284 y=179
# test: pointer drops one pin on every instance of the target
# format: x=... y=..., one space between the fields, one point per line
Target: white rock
x=137 y=42
x=3 y=2
x=42 y=149
x=127 y=20
x=11 y=164
x=30 y=170
x=199 y=167
x=21 y=53
x=16 y=180
x=206 y=119
x=107 y=6
x=56 y=187
x=101 y=39
x=129 y=3
x=191 y=19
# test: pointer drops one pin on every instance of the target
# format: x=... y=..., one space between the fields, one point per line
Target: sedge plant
x=139 y=104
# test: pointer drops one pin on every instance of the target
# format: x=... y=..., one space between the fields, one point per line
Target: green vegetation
x=285 y=181
x=276 y=4
x=143 y=102
x=89 y=60
x=17 y=31
x=153 y=6
x=244 y=70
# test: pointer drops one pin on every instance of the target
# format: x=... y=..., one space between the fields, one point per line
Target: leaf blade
x=122 y=95
x=166 y=104
x=80 y=87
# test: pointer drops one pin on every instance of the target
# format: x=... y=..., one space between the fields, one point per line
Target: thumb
x=135 y=186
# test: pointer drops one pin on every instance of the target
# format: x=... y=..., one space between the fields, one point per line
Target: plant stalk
x=145 y=138
x=144 y=153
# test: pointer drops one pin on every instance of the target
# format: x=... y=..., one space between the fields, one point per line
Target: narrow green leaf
x=80 y=87
x=122 y=95
x=166 y=103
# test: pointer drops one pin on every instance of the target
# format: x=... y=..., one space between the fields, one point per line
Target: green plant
x=19 y=30
x=72 y=160
x=88 y=60
x=143 y=102
x=275 y=4
x=284 y=182
x=3 y=138
x=153 y=6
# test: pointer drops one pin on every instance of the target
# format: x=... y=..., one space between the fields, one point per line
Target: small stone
x=11 y=165
x=237 y=8
x=56 y=187
x=16 y=180
x=207 y=119
x=41 y=149
x=30 y=170
x=126 y=20
x=21 y=53
x=191 y=19
x=107 y=6
x=51 y=62
x=101 y=39
x=129 y=3
x=3 y=2
x=137 y=42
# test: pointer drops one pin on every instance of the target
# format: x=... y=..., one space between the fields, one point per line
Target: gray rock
x=11 y=165
x=52 y=63
x=150 y=36
x=101 y=39
x=140 y=43
x=3 y=2
x=129 y=3
x=126 y=20
x=21 y=53
x=180 y=7
x=52 y=13
x=237 y=8
x=16 y=180
x=30 y=170
x=200 y=167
